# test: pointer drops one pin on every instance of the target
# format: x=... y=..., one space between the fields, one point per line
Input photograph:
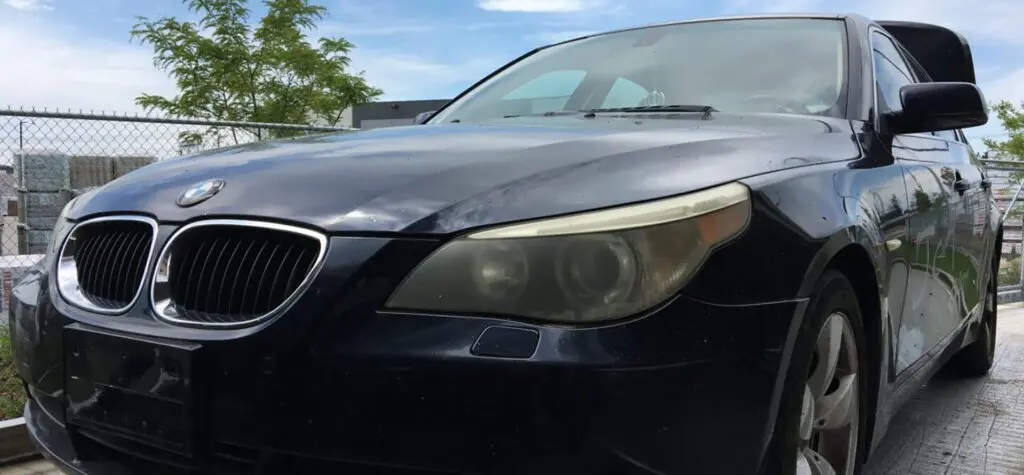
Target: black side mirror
x=935 y=106
x=422 y=117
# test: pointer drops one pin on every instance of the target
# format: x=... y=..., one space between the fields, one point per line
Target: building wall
x=383 y=114
x=391 y=113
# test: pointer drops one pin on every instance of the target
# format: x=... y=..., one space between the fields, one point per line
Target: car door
x=973 y=243
x=930 y=310
x=984 y=222
x=987 y=219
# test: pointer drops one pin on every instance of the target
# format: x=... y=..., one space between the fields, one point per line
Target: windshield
x=785 y=65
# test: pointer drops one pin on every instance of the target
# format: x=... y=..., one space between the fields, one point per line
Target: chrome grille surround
x=162 y=282
x=137 y=255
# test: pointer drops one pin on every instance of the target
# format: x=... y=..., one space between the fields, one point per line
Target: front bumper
x=691 y=388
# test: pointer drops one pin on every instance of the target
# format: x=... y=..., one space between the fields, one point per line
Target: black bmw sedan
x=727 y=246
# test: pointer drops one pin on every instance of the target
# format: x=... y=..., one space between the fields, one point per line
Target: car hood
x=445 y=178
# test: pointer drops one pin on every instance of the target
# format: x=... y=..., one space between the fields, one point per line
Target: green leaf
x=1011 y=149
x=228 y=68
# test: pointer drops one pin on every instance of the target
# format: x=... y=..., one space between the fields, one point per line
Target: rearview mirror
x=422 y=117
x=936 y=106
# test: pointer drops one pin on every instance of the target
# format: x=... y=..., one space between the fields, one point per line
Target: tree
x=227 y=69
x=1013 y=122
x=1011 y=149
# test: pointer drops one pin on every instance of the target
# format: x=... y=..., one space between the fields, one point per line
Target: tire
x=833 y=295
x=975 y=360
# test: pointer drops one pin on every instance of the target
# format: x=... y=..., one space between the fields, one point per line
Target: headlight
x=583 y=268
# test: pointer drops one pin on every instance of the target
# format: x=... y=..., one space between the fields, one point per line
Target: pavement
x=963 y=427
x=950 y=427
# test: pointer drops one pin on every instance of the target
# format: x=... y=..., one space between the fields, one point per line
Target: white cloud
x=49 y=67
x=777 y=6
x=29 y=5
x=46 y=66
x=407 y=76
x=991 y=25
x=362 y=29
x=980 y=20
x=1009 y=86
x=540 y=6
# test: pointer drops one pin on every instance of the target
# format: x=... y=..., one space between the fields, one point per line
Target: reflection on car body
x=547 y=275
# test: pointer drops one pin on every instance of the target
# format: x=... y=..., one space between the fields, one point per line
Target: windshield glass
x=791 y=65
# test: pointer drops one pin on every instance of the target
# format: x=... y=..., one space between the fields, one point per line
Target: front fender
x=801 y=221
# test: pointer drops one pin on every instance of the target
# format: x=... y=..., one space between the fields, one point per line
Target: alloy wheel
x=830 y=415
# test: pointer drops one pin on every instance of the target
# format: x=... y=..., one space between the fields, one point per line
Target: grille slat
x=189 y=284
x=276 y=293
x=295 y=276
x=220 y=274
x=262 y=279
x=198 y=303
x=86 y=252
x=248 y=279
x=109 y=258
x=234 y=284
x=218 y=294
x=138 y=253
x=117 y=258
x=105 y=245
x=212 y=285
x=89 y=265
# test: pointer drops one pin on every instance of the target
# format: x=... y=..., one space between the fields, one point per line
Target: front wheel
x=822 y=417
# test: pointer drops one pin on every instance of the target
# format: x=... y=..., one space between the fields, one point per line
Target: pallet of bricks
x=47 y=181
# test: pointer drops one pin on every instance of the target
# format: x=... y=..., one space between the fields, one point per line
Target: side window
x=891 y=73
x=624 y=93
x=547 y=92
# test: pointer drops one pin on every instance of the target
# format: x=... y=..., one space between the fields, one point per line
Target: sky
x=76 y=54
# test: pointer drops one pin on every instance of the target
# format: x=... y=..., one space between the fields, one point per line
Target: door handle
x=961 y=186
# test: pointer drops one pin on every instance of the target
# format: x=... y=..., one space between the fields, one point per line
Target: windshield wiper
x=542 y=114
x=706 y=110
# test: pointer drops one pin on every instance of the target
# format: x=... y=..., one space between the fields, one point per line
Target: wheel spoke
x=803 y=466
x=807 y=416
x=828 y=346
x=832 y=410
x=810 y=462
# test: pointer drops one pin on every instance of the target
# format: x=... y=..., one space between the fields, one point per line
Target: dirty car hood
x=445 y=178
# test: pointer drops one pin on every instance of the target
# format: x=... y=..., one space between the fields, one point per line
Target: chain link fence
x=47 y=157
x=1009 y=197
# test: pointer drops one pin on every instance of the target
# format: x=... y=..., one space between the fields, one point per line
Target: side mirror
x=422 y=117
x=935 y=106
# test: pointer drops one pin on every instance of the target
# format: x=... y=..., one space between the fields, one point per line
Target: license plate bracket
x=132 y=386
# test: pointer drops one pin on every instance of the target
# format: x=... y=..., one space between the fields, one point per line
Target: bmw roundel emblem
x=200 y=192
